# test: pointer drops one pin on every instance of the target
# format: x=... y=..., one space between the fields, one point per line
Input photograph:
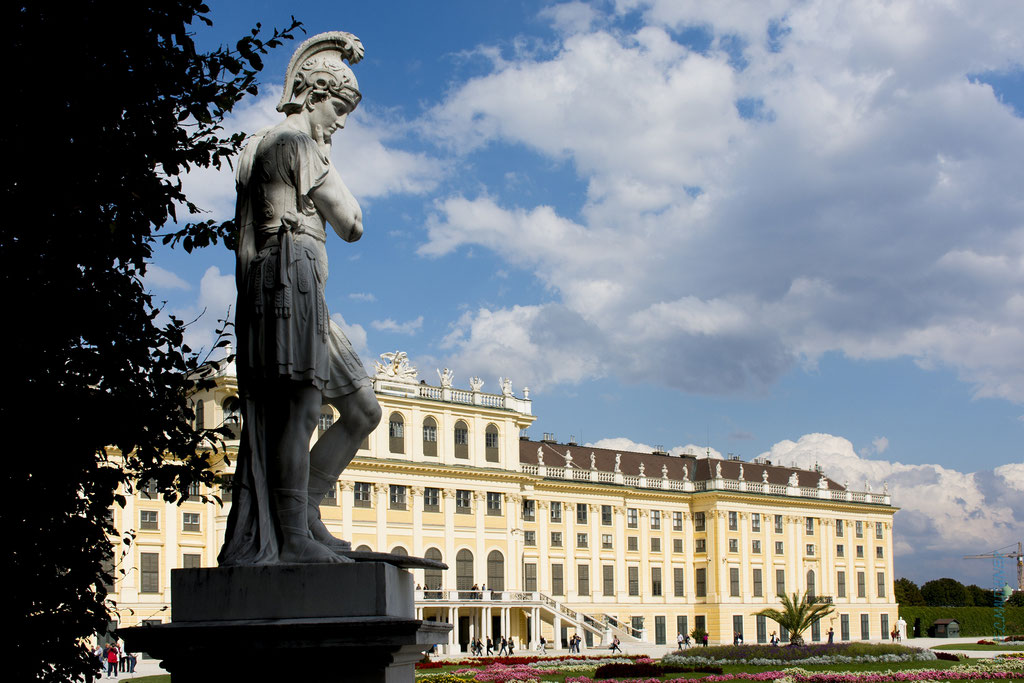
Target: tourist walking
x=831 y=635
x=615 y=645
x=504 y=647
x=490 y=647
x=543 y=645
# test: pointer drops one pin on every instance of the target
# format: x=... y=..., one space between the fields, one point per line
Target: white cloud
x=872 y=208
x=623 y=444
x=878 y=446
x=161 y=278
x=214 y=305
x=571 y=17
x=362 y=296
x=409 y=327
x=356 y=335
x=944 y=513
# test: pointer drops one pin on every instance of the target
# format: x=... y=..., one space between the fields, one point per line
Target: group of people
x=683 y=641
x=737 y=638
x=506 y=647
x=895 y=635
x=113 y=659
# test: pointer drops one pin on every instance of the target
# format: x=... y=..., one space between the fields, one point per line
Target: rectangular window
x=677 y=545
x=396 y=429
x=190 y=521
x=780 y=581
x=557 y=584
x=149 y=571
x=656 y=581
x=529 y=510
x=606 y=515
x=331 y=496
x=860 y=551
x=583 y=579
x=660 y=637
x=606 y=541
x=879 y=552
x=734 y=545
x=878 y=530
x=397 y=497
x=490 y=439
x=810 y=550
x=150 y=491
x=556 y=512
x=841 y=584
x=885 y=625
x=149 y=519
x=859 y=527
x=678 y=582
x=734 y=523
x=700 y=578
x=839 y=528
x=361 y=494
x=463 y=502
x=840 y=550
x=699 y=523
x=582 y=541
x=734 y=582
x=191 y=561
x=816 y=631
x=755 y=547
x=881 y=584
x=655 y=544
x=494 y=504
x=632 y=518
x=530 y=576
x=681 y=625
x=755 y=522
x=677 y=521
x=844 y=626
x=556 y=539
x=809 y=525
x=461 y=436
x=633 y=543
x=700 y=545
x=778 y=547
x=581 y=513
x=865 y=627
x=633 y=577
x=656 y=519
x=861 y=588
x=758 y=584
x=530 y=538
x=762 y=628
x=737 y=625
x=778 y=524
x=429 y=433
x=608 y=580
x=700 y=622
x=431 y=500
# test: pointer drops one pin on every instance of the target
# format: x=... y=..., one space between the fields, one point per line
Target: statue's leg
x=359 y=415
x=291 y=416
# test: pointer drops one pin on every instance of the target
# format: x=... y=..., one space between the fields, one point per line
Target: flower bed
x=764 y=655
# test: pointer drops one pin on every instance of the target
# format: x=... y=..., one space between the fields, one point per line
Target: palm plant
x=797 y=614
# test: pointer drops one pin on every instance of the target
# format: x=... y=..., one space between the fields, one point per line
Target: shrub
x=947 y=656
x=627 y=670
x=974 y=621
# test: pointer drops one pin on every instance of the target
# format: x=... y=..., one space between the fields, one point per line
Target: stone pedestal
x=349 y=622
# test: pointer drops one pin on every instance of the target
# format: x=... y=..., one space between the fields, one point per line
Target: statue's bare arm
x=337 y=205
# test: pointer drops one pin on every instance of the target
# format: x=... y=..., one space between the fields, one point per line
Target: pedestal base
x=350 y=622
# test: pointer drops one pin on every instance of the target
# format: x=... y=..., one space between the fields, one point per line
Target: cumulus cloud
x=213 y=304
x=620 y=443
x=878 y=446
x=409 y=327
x=356 y=335
x=944 y=513
x=364 y=154
x=821 y=178
x=161 y=278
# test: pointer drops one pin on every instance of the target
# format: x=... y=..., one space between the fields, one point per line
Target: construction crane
x=1019 y=556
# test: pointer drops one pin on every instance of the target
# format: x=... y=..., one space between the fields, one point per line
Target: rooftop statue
x=291 y=357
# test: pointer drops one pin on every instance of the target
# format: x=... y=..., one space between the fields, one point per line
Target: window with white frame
x=190 y=521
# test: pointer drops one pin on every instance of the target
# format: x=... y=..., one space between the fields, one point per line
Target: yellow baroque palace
x=552 y=539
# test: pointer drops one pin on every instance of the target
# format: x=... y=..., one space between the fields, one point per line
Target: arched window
x=396 y=433
x=200 y=416
x=464 y=570
x=496 y=571
x=364 y=549
x=432 y=577
x=461 y=440
x=326 y=420
x=810 y=583
x=232 y=415
x=430 y=437
x=399 y=550
x=491 y=443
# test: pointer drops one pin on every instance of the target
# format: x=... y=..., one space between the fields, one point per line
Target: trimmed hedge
x=974 y=621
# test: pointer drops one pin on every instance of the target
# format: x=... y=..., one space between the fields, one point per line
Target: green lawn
x=1008 y=647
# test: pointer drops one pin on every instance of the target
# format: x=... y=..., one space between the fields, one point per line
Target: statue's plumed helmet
x=318 y=66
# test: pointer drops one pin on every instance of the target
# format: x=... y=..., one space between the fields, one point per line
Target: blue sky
x=776 y=227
